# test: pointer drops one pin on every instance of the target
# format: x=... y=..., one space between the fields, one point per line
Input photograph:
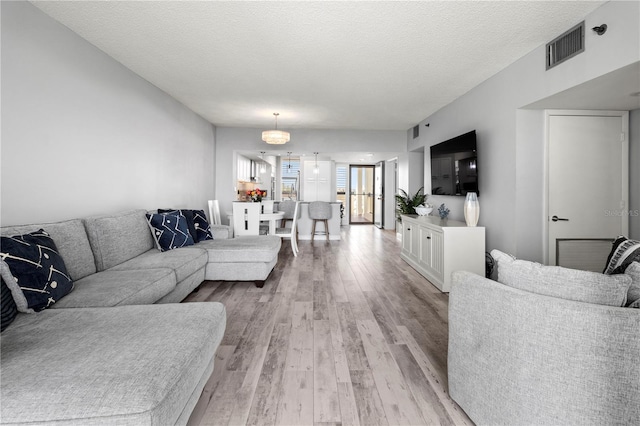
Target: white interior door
x=588 y=178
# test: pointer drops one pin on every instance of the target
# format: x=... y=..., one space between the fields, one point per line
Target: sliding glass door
x=361 y=194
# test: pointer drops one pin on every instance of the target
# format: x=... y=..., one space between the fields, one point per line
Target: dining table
x=272 y=218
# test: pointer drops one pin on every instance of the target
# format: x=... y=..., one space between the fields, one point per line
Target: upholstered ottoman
x=249 y=258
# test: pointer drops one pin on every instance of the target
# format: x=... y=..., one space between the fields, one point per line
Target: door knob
x=556 y=218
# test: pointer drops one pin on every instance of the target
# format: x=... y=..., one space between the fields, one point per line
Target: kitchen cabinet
x=319 y=186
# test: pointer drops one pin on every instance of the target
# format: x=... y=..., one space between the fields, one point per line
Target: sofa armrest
x=220 y=232
x=521 y=358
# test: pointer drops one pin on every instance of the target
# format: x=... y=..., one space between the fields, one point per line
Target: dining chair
x=267 y=206
x=246 y=218
x=214 y=212
x=286 y=206
x=320 y=211
x=292 y=232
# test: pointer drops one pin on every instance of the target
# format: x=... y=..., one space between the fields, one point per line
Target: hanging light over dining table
x=276 y=137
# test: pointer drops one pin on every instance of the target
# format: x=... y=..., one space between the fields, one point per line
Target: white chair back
x=267 y=206
x=291 y=232
x=214 y=212
x=246 y=218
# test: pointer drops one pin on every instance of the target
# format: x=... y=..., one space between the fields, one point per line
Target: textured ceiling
x=339 y=65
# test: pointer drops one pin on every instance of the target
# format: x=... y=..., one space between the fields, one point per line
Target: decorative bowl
x=423 y=211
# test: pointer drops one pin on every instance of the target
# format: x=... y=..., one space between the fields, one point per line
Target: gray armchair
x=520 y=358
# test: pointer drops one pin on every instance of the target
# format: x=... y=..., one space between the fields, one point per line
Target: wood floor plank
x=300 y=350
x=295 y=406
x=457 y=415
x=219 y=370
x=429 y=404
x=356 y=357
x=368 y=402
x=397 y=399
x=326 y=407
x=348 y=406
x=265 y=403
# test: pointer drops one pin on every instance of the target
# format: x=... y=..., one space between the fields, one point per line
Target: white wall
x=634 y=174
x=83 y=135
x=229 y=140
x=511 y=141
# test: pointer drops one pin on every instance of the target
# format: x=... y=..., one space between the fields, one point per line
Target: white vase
x=471 y=209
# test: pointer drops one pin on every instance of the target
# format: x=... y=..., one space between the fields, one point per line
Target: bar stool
x=320 y=211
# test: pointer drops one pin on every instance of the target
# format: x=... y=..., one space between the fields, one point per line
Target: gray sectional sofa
x=117 y=349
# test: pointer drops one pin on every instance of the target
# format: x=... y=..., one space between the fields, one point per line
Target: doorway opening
x=361 y=195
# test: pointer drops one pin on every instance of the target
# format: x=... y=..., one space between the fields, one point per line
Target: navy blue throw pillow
x=188 y=214
x=34 y=271
x=170 y=230
x=9 y=309
x=203 y=229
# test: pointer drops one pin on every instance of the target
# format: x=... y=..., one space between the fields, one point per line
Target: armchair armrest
x=521 y=358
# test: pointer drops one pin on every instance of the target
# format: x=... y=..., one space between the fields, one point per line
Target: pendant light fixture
x=316 y=169
x=275 y=137
x=289 y=165
x=263 y=166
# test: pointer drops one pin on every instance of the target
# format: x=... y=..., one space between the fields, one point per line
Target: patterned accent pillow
x=9 y=308
x=564 y=283
x=169 y=230
x=188 y=214
x=623 y=252
x=203 y=229
x=34 y=271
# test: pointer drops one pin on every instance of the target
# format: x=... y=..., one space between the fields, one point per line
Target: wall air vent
x=416 y=131
x=566 y=46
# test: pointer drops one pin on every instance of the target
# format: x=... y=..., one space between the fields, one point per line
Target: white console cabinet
x=436 y=248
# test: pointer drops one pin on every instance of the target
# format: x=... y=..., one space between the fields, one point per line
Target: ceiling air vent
x=566 y=46
x=416 y=131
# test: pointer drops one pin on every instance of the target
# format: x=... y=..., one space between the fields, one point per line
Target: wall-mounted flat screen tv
x=454 y=166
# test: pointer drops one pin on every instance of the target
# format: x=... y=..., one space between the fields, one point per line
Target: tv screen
x=454 y=166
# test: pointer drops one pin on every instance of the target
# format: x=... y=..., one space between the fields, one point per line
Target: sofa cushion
x=184 y=261
x=9 y=308
x=118 y=237
x=565 y=283
x=244 y=249
x=115 y=288
x=170 y=230
x=33 y=270
x=623 y=252
x=72 y=242
x=130 y=365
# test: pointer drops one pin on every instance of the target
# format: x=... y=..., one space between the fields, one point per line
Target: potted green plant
x=406 y=204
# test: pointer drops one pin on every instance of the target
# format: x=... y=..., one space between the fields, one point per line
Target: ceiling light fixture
x=289 y=154
x=275 y=137
x=263 y=166
x=316 y=169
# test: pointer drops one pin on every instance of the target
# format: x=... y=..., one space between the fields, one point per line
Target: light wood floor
x=346 y=333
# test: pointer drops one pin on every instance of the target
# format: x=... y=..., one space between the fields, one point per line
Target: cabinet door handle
x=428 y=238
x=408 y=229
x=556 y=218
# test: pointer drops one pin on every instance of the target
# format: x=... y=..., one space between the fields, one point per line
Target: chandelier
x=275 y=137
